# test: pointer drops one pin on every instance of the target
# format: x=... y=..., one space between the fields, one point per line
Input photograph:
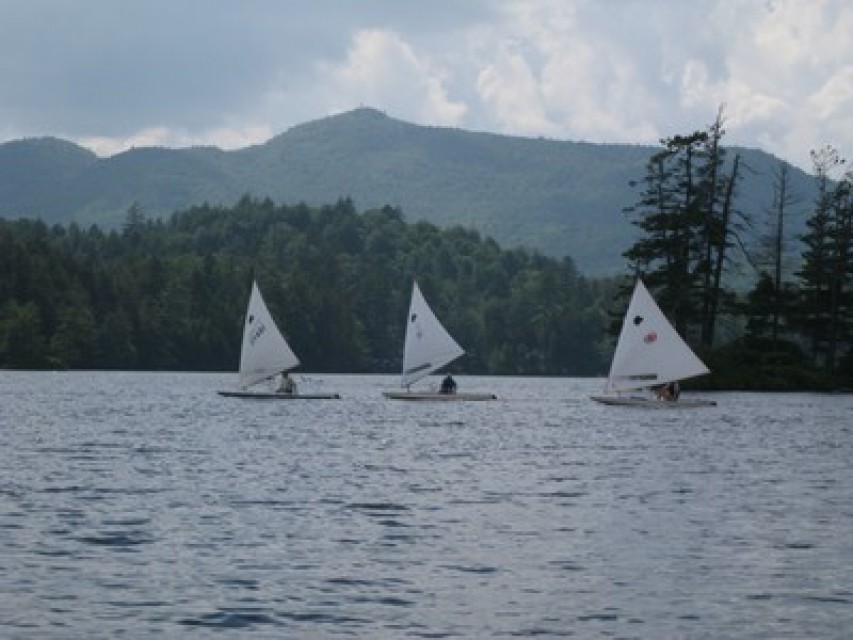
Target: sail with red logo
x=649 y=353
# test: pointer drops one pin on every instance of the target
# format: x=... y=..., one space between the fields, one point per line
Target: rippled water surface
x=144 y=505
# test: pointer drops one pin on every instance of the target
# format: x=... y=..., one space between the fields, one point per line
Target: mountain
x=560 y=197
x=34 y=172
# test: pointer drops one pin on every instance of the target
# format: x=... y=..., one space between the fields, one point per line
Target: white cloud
x=383 y=70
x=224 y=138
x=835 y=97
x=744 y=104
x=512 y=94
x=789 y=80
x=548 y=74
x=788 y=34
x=644 y=70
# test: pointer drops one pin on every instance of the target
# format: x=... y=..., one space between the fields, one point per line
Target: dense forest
x=172 y=294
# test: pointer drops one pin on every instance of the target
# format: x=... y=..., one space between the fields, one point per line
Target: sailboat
x=428 y=347
x=265 y=354
x=648 y=355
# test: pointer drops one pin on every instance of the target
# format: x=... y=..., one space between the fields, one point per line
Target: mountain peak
x=48 y=145
x=364 y=113
x=356 y=118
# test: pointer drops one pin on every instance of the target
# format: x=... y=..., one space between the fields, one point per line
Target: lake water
x=144 y=505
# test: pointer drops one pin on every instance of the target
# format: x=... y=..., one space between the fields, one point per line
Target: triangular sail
x=649 y=351
x=428 y=345
x=265 y=352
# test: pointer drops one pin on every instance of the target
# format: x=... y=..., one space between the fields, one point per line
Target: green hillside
x=172 y=295
x=562 y=198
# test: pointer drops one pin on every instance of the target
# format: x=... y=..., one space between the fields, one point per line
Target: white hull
x=652 y=403
x=271 y=395
x=435 y=396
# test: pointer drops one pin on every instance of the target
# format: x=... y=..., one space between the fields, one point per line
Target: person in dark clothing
x=448 y=385
x=288 y=386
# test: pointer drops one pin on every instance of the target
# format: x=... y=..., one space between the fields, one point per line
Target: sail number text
x=257 y=332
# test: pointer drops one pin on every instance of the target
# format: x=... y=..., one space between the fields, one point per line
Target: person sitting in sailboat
x=287 y=386
x=448 y=385
x=669 y=391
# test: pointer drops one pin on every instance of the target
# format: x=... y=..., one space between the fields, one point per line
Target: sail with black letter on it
x=265 y=352
x=428 y=346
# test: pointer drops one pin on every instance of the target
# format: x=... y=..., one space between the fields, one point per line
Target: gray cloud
x=106 y=68
x=113 y=73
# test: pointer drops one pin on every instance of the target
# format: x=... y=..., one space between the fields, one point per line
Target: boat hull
x=651 y=403
x=437 y=397
x=269 y=395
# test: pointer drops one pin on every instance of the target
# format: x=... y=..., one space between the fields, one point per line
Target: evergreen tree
x=841 y=293
x=824 y=270
x=690 y=221
x=669 y=214
x=22 y=340
x=772 y=255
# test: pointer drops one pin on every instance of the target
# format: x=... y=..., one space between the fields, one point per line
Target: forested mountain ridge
x=562 y=198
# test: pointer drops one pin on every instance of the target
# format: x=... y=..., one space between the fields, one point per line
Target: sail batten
x=428 y=345
x=265 y=353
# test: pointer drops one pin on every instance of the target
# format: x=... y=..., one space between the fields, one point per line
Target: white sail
x=265 y=352
x=428 y=345
x=649 y=351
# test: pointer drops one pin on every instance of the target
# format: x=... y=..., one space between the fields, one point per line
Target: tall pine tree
x=825 y=273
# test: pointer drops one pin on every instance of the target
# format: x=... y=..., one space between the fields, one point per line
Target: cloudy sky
x=110 y=74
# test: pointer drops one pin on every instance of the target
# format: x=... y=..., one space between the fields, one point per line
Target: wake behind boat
x=277 y=395
x=265 y=355
x=653 y=403
x=437 y=396
x=650 y=359
x=428 y=347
